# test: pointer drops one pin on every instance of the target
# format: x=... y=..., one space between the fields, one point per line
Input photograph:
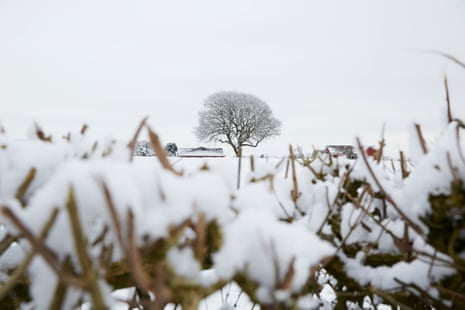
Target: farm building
x=341 y=150
x=200 y=152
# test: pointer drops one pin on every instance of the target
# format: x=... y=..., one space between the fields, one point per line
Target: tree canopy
x=237 y=119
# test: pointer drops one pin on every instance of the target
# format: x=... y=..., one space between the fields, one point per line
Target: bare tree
x=237 y=119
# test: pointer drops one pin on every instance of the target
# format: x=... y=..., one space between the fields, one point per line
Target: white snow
x=265 y=233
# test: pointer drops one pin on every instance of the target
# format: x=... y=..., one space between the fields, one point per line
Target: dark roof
x=200 y=152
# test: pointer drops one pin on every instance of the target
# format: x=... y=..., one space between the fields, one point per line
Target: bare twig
x=450 y=57
x=41 y=134
x=295 y=186
x=403 y=166
x=90 y=275
x=43 y=250
x=382 y=144
x=449 y=111
x=6 y=242
x=387 y=297
x=388 y=197
x=451 y=293
x=84 y=129
x=424 y=294
x=114 y=215
x=421 y=139
x=132 y=143
x=160 y=152
x=459 y=148
x=453 y=170
x=252 y=163
x=134 y=260
x=200 y=241
x=21 y=192
x=19 y=271
x=59 y=295
x=287 y=168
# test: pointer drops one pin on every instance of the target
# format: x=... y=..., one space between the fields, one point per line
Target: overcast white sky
x=330 y=70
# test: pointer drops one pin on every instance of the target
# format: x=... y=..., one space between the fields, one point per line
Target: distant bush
x=171 y=149
x=143 y=148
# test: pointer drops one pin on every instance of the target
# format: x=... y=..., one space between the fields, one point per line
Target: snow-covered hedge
x=81 y=220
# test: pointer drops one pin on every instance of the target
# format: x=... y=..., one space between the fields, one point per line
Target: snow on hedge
x=353 y=227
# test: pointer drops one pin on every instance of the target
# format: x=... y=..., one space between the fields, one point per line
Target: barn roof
x=200 y=152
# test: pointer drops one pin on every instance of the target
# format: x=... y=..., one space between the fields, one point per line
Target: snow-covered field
x=281 y=233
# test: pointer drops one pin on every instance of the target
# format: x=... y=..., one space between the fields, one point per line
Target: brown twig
x=84 y=129
x=21 y=192
x=295 y=186
x=287 y=168
x=449 y=111
x=41 y=134
x=388 y=197
x=403 y=166
x=387 y=297
x=436 y=303
x=43 y=250
x=160 y=152
x=134 y=260
x=200 y=240
x=421 y=139
x=451 y=58
x=453 y=170
x=451 y=293
x=90 y=275
x=459 y=148
x=113 y=215
x=19 y=271
x=6 y=242
x=382 y=144
x=132 y=143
